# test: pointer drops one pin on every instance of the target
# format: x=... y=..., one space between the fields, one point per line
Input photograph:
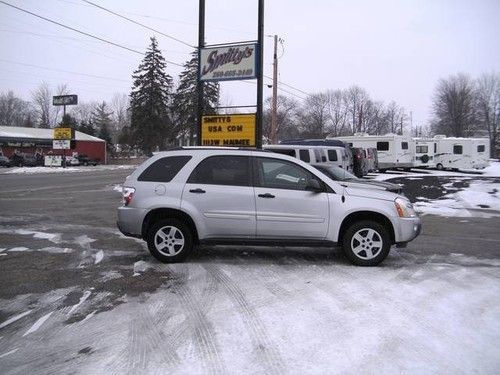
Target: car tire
x=366 y=243
x=439 y=167
x=86 y=164
x=170 y=240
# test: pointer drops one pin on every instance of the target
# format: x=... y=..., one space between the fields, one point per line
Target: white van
x=308 y=154
x=394 y=151
x=461 y=153
x=337 y=156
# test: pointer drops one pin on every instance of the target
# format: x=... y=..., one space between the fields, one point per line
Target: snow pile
x=479 y=199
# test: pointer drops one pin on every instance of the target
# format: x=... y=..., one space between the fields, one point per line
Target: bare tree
x=488 y=107
x=356 y=98
x=120 y=118
x=287 y=110
x=337 y=112
x=314 y=117
x=15 y=111
x=42 y=99
x=454 y=106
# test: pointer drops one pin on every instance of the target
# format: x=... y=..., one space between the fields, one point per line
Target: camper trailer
x=394 y=151
x=461 y=153
x=425 y=148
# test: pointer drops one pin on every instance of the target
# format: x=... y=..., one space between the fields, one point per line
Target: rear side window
x=435 y=147
x=404 y=145
x=304 y=155
x=422 y=149
x=382 y=146
x=317 y=155
x=480 y=148
x=164 y=169
x=222 y=170
x=332 y=155
x=457 y=149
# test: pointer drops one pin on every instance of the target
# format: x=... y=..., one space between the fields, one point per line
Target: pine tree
x=185 y=101
x=102 y=120
x=149 y=102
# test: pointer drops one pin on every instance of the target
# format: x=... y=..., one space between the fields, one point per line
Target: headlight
x=404 y=208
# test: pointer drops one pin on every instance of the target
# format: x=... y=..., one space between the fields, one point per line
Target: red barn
x=32 y=140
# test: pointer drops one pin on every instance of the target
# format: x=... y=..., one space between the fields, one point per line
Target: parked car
x=85 y=160
x=371 y=159
x=4 y=161
x=189 y=196
x=25 y=160
x=359 y=162
x=350 y=180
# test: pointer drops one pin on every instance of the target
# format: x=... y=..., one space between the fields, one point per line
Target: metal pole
x=201 y=44
x=63 y=149
x=274 y=114
x=260 y=76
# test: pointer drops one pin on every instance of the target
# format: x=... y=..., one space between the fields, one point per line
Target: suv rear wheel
x=366 y=243
x=170 y=240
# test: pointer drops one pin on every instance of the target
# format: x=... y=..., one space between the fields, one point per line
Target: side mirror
x=314 y=185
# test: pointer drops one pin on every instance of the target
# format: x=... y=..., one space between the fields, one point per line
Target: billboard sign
x=61 y=144
x=65 y=100
x=236 y=130
x=224 y=63
x=63 y=133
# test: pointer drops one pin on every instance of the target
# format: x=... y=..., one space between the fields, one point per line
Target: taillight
x=128 y=194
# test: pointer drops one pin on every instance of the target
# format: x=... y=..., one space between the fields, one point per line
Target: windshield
x=336 y=173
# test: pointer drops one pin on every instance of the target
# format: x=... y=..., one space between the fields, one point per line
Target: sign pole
x=260 y=76
x=201 y=44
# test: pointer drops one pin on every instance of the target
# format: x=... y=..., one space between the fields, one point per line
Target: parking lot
x=76 y=296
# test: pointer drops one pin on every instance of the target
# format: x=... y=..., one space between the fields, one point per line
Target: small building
x=37 y=140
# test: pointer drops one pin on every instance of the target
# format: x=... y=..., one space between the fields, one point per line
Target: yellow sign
x=228 y=130
x=62 y=133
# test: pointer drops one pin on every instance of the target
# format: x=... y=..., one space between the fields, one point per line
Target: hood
x=370 y=192
x=382 y=185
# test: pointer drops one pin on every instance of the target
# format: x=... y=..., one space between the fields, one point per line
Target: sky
x=396 y=50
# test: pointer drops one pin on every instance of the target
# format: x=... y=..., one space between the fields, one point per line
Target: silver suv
x=189 y=196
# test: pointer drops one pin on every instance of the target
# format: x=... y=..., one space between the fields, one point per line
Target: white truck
x=394 y=151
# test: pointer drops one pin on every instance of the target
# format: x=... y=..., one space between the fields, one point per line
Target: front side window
x=382 y=146
x=222 y=170
x=304 y=155
x=457 y=149
x=281 y=174
x=164 y=169
x=332 y=155
x=404 y=145
x=481 y=148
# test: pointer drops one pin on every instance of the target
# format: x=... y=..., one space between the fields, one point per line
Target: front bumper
x=408 y=229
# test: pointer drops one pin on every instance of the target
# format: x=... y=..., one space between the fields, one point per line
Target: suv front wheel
x=366 y=243
x=170 y=240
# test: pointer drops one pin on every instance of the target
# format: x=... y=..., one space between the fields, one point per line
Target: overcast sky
x=396 y=50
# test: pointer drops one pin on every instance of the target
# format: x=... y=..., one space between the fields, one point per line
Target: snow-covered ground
x=267 y=312
x=478 y=194
x=35 y=170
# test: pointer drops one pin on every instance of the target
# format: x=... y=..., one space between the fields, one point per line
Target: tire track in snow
x=269 y=355
x=204 y=334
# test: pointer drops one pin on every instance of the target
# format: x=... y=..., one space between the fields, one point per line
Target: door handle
x=197 y=191
x=267 y=195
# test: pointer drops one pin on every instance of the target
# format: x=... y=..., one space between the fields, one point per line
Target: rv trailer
x=425 y=148
x=394 y=151
x=461 y=153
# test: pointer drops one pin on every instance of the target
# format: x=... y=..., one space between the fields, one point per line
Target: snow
x=83 y=298
x=38 y=324
x=9 y=352
x=15 y=318
x=37 y=170
x=99 y=257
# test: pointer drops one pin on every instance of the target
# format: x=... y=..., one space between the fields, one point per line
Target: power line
x=290 y=86
x=80 y=32
x=137 y=23
x=64 y=71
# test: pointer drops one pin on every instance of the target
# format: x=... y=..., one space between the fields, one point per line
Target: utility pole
x=260 y=76
x=274 y=113
x=201 y=44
